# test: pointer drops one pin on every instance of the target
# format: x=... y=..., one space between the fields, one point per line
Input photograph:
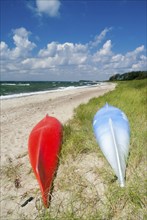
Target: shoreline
x=41 y=92
x=18 y=117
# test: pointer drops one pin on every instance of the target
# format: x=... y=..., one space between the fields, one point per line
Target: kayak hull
x=44 y=147
x=112 y=132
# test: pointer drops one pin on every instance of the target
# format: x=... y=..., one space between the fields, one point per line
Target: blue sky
x=72 y=40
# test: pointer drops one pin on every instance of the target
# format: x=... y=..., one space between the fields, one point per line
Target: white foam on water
x=19 y=95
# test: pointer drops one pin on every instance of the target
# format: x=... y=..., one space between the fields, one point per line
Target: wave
x=15 y=84
x=19 y=95
x=8 y=84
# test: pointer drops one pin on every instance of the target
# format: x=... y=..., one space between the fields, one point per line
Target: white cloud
x=66 y=61
x=58 y=55
x=99 y=38
x=106 y=50
x=49 y=7
x=104 y=54
x=49 y=51
x=64 y=54
x=117 y=58
x=132 y=60
x=22 y=45
x=4 y=50
x=136 y=51
x=142 y=63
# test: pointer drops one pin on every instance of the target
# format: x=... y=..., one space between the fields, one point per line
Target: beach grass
x=85 y=186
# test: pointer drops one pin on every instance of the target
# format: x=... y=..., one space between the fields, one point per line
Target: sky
x=71 y=40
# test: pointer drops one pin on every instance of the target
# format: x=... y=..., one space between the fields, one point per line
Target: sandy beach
x=18 y=117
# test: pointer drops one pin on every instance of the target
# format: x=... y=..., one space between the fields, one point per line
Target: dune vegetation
x=85 y=186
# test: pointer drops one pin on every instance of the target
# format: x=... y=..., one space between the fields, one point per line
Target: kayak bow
x=44 y=147
x=112 y=131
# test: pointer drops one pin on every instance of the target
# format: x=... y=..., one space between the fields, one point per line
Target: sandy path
x=18 y=117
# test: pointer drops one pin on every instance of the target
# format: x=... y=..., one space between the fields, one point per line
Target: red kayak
x=44 y=147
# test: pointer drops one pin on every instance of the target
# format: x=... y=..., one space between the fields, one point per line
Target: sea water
x=14 y=89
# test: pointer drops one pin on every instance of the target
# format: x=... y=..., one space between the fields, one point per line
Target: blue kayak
x=112 y=132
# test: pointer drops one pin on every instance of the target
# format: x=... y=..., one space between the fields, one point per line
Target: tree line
x=129 y=76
